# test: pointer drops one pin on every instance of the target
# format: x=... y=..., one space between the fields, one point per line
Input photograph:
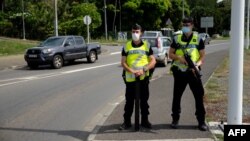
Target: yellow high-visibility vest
x=191 y=49
x=136 y=59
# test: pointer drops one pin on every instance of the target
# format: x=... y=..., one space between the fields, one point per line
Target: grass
x=216 y=92
x=9 y=46
x=14 y=46
x=109 y=41
x=219 y=137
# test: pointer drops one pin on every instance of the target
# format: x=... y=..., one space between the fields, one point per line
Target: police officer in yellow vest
x=137 y=60
x=183 y=75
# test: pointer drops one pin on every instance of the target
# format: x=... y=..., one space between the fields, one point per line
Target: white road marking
x=72 y=71
x=114 y=53
x=29 y=78
x=218 y=44
x=36 y=77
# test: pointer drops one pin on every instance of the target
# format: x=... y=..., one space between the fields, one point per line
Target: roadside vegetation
x=121 y=15
x=11 y=46
x=216 y=92
x=14 y=46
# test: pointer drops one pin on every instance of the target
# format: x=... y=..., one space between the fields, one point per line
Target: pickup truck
x=57 y=49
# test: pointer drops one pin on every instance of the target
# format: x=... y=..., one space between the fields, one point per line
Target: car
x=152 y=34
x=160 y=47
x=169 y=32
x=56 y=50
x=205 y=37
x=177 y=33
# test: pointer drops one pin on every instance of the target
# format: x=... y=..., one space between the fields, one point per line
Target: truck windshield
x=52 y=42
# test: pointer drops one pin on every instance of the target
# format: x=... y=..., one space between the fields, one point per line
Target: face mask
x=185 y=29
x=135 y=36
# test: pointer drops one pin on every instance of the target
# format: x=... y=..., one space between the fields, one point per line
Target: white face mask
x=135 y=36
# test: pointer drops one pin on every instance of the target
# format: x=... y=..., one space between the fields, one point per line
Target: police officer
x=137 y=60
x=184 y=75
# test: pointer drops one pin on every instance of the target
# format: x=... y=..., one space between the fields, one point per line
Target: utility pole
x=235 y=98
x=23 y=20
x=105 y=16
x=56 y=20
x=2 y=4
x=182 y=9
x=247 y=34
x=120 y=15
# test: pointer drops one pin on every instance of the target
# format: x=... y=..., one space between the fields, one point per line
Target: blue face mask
x=185 y=29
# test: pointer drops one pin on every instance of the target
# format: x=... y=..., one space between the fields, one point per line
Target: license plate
x=33 y=56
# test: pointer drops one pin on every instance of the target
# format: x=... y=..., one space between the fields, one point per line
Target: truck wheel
x=32 y=66
x=57 y=62
x=92 y=57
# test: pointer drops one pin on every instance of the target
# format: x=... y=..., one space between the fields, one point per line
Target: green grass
x=14 y=46
x=217 y=90
x=219 y=137
x=109 y=41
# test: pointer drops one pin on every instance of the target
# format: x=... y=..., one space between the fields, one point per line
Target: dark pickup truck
x=58 y=49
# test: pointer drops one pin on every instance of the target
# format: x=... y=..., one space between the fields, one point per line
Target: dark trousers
x=130 y=98
x=181 y=79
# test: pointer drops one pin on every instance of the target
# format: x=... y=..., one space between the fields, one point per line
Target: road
x=59 y=105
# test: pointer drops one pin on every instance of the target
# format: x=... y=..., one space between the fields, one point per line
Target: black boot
x=145 y=123
x=125 y=125
x=202 y=126
x=174 y=124
x=175 y=121
x=201 y=123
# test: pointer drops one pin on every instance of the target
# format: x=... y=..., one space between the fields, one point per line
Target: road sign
x=168 y=22
x=87 y=20
x=207 y=22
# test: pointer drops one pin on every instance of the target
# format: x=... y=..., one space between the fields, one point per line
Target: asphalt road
x=59 y=105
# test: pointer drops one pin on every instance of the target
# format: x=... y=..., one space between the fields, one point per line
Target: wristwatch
x=145 y=68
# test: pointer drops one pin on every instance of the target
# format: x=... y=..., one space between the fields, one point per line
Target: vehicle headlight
x=47 y=51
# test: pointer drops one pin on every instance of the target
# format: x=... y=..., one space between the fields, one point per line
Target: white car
x=152 y=34
x=205 y=37
x=160 y=47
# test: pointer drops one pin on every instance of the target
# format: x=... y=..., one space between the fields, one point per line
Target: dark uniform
x=130 y=93
x=184 y=77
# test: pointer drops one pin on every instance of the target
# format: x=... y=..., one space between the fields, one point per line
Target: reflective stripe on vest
x=191 y=49
x=136 y=59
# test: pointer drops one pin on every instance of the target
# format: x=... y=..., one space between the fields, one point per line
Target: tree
x=148 y=13
x=74 y=25
x=222 y=16
x=205 y=8
x=175 y=13
x=151 y=14
x=40 y=20
x=2 y=4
